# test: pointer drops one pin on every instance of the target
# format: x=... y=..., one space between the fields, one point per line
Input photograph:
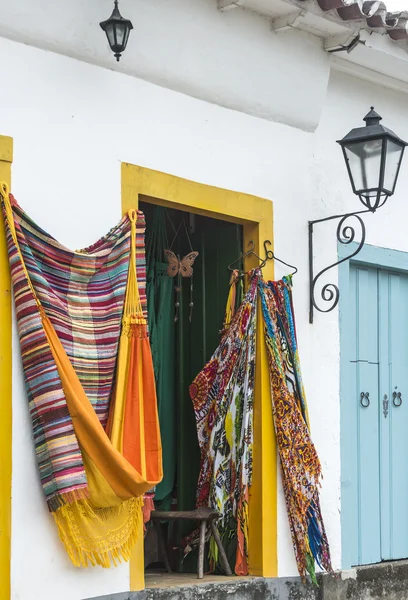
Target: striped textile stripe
x=82 y=293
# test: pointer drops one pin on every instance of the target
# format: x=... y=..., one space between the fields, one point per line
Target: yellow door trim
x=256 y=216
x=6 y=158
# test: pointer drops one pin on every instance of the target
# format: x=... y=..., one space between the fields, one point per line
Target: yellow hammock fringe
x=103 y=536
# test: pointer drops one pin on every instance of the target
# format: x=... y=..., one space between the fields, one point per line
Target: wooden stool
x=206 y=516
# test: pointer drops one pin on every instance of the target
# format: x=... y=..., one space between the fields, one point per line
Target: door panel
x=369 y=550
x=395 y=427
x=364 y=420
x=398 y=479
x=367 y=315
x=375 y=487
x=384 y=442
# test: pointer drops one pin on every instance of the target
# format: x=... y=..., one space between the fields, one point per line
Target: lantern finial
x=372 y=118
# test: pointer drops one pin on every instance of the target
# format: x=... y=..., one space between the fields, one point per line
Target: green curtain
x=181 y=349
x=160 y=306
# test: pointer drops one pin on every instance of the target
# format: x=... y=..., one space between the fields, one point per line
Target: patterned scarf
x=222 y=395
x=300 y=465
x=89 y=379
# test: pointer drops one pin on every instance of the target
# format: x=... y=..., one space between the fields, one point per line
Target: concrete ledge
x=387 y=580
x=248 y=589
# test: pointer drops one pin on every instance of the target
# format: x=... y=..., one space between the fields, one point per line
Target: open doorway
x=185 y=318
x=255 y=216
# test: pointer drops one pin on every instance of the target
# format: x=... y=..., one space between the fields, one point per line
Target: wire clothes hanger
x=181 y=267
x=269 y=255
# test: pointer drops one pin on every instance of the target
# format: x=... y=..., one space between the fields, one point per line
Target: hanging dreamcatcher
x=182 y=268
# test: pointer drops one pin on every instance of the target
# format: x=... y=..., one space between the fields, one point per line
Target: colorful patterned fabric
x=300 y=465
x=87 y=366
x=222 y=395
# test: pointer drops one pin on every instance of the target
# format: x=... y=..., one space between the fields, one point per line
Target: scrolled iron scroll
x=346 y=234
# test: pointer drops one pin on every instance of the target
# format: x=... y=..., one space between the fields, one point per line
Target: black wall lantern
x=373 y=156
x=117 y=31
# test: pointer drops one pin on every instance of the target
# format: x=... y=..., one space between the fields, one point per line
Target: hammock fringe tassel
x=80 y=549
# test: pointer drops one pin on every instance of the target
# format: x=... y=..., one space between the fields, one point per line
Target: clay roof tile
x=374 y=12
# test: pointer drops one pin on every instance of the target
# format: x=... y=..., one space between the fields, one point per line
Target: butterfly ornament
x=181 y=268
x=184 y=267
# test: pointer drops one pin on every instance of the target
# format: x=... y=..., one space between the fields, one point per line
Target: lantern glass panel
x=126 y=36
x=394 y=155
x=120 y=34
x=364 y=159
x=110 y=34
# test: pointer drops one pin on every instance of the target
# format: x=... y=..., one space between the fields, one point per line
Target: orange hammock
x=99 y=516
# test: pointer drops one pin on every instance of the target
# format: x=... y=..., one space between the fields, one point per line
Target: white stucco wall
x=190 y=47
x=72 y=125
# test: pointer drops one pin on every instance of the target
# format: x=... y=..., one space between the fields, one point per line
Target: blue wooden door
x=393 y=351
x=375 y=419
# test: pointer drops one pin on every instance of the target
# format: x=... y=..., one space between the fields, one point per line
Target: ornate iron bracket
x=346 y=234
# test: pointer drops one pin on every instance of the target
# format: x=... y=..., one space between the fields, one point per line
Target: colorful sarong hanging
x=89 y=377
x=222 y=395
x=300 y=465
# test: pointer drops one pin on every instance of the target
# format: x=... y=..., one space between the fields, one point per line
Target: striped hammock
x=81 y=319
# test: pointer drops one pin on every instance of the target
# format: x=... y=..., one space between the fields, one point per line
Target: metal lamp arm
x=345 y=235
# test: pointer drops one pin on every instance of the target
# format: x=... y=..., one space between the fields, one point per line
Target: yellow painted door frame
x=256 y=216
x=6 y=158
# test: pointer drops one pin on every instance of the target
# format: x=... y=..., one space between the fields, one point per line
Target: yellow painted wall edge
x=256 y=216
x=6 y=157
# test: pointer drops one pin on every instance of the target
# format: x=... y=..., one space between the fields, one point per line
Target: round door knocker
x=365 y=399
x=397 y=399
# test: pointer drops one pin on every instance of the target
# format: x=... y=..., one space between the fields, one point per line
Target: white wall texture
x=73 y=124
x=190 y=47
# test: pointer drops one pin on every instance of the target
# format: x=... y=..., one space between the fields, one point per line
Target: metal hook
x=270 y=255
x=397 y=399
x=365 y=399
x=251 y=246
